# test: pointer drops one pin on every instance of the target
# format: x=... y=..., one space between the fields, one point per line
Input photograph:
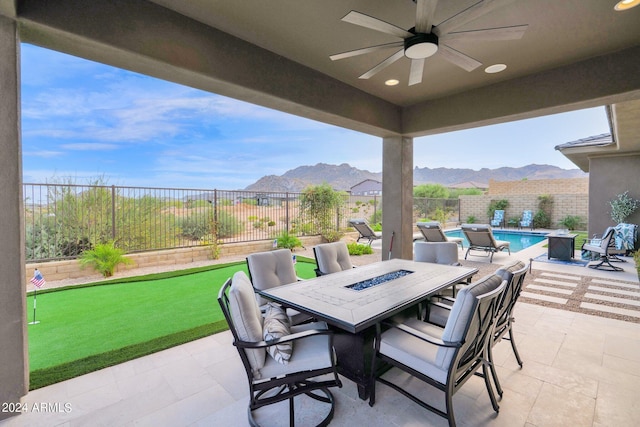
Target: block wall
x=570 y=197
x=70 y=269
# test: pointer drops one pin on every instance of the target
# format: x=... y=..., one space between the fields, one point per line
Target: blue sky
x=82 y=120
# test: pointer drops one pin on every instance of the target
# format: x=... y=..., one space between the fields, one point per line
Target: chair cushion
x=509 y=268
x=276 y=325
x=436 y=252
x=461 y=310
x=247 y=318
x=311 y=353
x=271 y=269
x=413 y=351
x=333 y=257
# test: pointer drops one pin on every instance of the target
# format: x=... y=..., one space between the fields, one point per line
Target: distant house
x=368 y=187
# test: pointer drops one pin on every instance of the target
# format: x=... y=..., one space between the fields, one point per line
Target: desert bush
x=359 y=249
x=288 y=241
x=622 y=207
x=571 y=222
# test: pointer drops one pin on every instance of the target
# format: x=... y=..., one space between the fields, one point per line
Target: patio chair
x=480 y=237
x=432 y=232
x=498 y=218
x=438 y=253
x=514 y=274
x=527 y=220
x=281 y=361
x=445 y=357
x=365 y=230
x=332 y=258
x=270 y=269
x=601 y=247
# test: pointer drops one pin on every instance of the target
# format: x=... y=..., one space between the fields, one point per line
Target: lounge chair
x=498 y=218
x=602 y=247
x=365 y=230
x=432 y=232
x=480 y=237
x=527 y=220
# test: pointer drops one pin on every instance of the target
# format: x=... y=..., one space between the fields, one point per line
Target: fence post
x=113 y=213
x=286 y=204
x=215 y=214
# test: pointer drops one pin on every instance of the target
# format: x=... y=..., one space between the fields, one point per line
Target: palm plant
x=104 y=258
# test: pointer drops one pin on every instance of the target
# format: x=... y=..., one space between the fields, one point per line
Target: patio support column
x=14 y=366
x=397 y=197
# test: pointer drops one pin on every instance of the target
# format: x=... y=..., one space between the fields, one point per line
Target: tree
x=431 y=191
x=320 y=204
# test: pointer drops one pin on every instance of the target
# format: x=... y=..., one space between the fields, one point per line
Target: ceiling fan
x=426 y=38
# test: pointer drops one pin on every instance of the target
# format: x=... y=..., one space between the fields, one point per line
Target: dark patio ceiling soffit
x=574 y=54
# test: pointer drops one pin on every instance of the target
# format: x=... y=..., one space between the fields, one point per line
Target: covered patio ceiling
x=572 y=54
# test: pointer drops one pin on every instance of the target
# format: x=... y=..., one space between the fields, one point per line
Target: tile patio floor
x=579 y=370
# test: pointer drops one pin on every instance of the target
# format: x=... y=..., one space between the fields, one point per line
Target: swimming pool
x=518 y=240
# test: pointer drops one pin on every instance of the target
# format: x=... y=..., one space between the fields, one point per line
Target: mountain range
x=345 y=176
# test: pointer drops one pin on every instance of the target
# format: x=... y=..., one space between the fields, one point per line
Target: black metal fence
x=63 y=220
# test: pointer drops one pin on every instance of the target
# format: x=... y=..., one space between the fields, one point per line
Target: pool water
x=518 y=240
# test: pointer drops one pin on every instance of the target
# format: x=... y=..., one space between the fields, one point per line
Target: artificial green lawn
x=85 y=328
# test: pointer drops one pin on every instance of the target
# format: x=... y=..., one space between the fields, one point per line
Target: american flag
x=37 y=279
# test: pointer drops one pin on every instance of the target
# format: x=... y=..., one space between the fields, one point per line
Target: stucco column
x=397 y=197
x=14 y=366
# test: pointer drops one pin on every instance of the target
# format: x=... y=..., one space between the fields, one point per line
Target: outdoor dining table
x=353 y=301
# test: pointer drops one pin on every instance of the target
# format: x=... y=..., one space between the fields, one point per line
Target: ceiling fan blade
x=415 y=74
x=469 y=14
x=365 y=50
x=425 y=10
x=502 y=33
x=376 y=24
x=458 y=58
x=390 y=60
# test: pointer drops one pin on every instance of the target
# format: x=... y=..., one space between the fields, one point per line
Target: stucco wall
x=611 y=176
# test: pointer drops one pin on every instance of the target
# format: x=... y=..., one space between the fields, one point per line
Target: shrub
x=471 y=219
x=321 y=203
x=622 y=207
x=195 y=226
x=104 y=258
x=541 y=220
x=636 y=258
x=359 y=249
x=288 y=241
x=495 y=205
x=332 y=236
x=571 y=222
x=376 y=218
x=228 y=225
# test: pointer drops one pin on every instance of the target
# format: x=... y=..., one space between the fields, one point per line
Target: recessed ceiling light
x=392 y=82
x=496 y=68
x=626 y=4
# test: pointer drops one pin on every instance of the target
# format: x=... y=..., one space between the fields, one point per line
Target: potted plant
x=622 y=207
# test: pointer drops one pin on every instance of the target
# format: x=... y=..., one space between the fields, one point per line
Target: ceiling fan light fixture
x=626 y=4
x=420 y=46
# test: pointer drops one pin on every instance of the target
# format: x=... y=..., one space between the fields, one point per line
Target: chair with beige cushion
x=514 y=273
x=438 y=253
x=281 y=361
x=444 y=358
x=271 y=269
x=332 y=258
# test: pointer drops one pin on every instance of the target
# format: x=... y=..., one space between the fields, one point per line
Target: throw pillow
x=276 y=325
